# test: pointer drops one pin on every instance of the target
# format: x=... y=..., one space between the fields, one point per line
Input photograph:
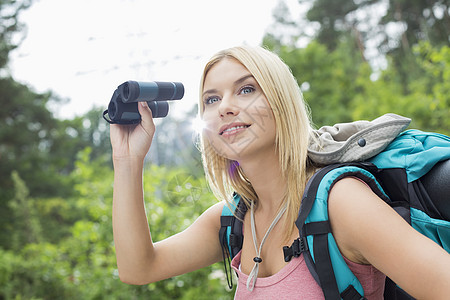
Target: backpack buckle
x=298 y=246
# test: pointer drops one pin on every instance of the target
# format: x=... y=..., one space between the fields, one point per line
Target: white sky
x=82 y=50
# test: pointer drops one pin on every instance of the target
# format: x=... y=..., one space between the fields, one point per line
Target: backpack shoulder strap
x=321 y=252
x=230 y=233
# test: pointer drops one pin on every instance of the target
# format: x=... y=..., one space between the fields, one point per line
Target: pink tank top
x=294 y=281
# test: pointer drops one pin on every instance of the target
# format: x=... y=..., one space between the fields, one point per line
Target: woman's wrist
x=128 y=162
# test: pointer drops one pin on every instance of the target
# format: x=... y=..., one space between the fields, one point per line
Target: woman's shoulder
x=351 y=192
x=354 y=209
x=368 y=231
x=213 y=213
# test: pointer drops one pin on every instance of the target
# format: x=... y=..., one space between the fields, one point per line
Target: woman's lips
x=232 y=128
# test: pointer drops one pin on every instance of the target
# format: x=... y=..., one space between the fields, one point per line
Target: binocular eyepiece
x=123 y=109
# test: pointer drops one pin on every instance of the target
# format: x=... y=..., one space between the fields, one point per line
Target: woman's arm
x=139 y=260
x=367 y=230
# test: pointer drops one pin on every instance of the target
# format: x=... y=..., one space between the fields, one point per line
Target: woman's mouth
x=231 y=129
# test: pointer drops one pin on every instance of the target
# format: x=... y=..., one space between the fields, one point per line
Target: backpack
x=412 y=175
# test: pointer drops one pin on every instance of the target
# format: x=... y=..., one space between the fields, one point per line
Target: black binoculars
x=123 y=109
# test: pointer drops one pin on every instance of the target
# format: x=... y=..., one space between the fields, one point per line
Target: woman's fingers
x=133 y=140
x=147 y=119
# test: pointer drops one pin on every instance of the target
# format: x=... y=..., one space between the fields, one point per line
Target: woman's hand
x=133 y=141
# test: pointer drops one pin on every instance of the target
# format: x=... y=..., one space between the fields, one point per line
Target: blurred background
x=60 y=62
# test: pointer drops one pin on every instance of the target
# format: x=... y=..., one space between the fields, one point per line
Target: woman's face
x=239 y=122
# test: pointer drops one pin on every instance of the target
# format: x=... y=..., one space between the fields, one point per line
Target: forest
x=56 y=174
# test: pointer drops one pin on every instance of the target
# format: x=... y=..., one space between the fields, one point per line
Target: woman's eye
x=247 y=90
x=211 y=100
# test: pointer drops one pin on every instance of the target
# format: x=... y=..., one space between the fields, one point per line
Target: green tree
x=378 y=28
x=40 y=148
x=325 y=77
x=33 y=142
x=427 y=102
x=342 y=82
x=27 y=227
x=339 y=85
x=422 y=21
x=331 y=15
x=9 y=27
x=414 y=21
x=35 y=147
x=81 y=263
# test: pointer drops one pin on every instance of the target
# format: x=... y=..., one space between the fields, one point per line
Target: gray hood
x=355 y=141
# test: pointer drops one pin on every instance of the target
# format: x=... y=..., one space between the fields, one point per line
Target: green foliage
x=338 y=85
x=25 y=129
x=41 y=150
x=424 y=21
x=373 y=21
x=36 y=272
x=331 y=16
x=380 y=28
x=75 y=257
x=28 y=229
x=9 y=26
x=326 y=78
x=427 y=100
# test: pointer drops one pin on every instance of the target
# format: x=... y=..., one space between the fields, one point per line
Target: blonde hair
x=293 y=129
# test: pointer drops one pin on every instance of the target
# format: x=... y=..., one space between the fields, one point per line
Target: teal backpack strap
x=320 y=250
x=230 y=233
x=227 y=221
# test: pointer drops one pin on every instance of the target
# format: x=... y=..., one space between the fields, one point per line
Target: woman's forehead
x=226 y=64
x=226 y=70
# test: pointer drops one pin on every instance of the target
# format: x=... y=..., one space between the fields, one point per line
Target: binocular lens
x=133 y=91
x=112 y=110
x=123 y=107
x=126 y=91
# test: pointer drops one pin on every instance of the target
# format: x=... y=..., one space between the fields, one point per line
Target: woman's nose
x=228 y=106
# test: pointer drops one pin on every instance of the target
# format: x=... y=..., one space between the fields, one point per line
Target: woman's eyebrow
x=243 y=78
x=210 y=91
x=237 y=82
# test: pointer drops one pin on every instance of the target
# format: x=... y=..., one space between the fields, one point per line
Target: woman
x=255 y=142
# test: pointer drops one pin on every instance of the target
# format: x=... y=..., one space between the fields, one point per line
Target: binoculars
x=123 y=106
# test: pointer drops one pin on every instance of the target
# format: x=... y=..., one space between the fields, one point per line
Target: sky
x=82 y=50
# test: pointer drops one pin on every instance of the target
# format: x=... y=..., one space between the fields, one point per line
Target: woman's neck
x=265 y=175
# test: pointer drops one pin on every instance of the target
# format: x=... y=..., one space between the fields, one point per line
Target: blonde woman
x=254 y=143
